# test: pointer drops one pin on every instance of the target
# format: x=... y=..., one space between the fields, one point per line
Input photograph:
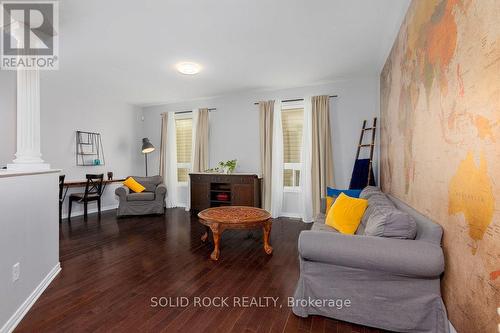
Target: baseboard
x=90 y=211
x=290 y=215
x=16 y=318
x=452 y=329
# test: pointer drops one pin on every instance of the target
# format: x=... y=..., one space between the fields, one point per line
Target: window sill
x=292 y=190
x=182 y=184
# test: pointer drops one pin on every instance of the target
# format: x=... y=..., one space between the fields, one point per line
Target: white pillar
x=28 y=155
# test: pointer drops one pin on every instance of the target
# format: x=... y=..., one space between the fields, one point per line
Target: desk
x=82 y=183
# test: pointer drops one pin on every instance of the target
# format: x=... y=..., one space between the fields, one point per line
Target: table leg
x=204 y=237
x=216 y=233
x=267 y=232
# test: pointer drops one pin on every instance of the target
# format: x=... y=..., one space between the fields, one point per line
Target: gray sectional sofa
x=151 y=201
x=381 y=278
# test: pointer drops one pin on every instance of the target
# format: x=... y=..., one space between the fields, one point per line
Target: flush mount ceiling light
x=188 y=68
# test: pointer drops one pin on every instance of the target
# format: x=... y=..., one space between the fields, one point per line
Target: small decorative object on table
x=226 y=167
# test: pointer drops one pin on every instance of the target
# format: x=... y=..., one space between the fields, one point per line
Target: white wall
x=29 y=235
x=65 y=108
x=7 y=116
x=234 y=127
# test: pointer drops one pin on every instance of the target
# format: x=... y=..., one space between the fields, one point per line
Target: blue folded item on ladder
x=333 y=192
x=359 y=178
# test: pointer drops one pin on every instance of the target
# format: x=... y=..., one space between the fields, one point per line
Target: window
x=292 y=119
x=184 y=138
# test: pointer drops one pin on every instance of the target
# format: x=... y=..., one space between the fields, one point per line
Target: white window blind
x=184 y=130
x=292 y=120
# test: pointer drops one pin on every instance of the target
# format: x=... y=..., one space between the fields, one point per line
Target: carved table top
x=234 y=215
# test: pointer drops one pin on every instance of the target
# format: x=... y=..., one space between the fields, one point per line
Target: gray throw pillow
x=376 y=199
x=369 y=191
x=385 y=221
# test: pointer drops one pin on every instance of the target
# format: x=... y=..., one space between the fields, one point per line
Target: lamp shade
x=147 y=147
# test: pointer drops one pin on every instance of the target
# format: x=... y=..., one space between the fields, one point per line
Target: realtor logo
x=29 y=38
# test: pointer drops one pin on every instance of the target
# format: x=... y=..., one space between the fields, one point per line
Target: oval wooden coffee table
x=219 y=219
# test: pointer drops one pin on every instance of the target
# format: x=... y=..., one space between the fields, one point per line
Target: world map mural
x=440 y=143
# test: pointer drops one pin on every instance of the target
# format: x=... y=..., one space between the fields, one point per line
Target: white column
x=28 y=155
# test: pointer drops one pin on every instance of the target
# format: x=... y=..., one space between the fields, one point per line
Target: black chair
x=61 y=195
x=93 y=192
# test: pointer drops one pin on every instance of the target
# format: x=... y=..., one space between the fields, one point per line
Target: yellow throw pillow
x=132 y=184
x=346 y=213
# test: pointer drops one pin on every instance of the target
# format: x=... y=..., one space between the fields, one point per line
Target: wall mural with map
x=440 y=143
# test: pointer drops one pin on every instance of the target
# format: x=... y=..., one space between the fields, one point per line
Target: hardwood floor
x=112 y=268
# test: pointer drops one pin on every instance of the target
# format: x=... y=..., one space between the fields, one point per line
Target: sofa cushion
x=386 y=221
x=144 y=196
x=321 y=226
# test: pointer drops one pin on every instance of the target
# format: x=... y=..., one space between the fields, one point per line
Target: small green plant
x=225 y=167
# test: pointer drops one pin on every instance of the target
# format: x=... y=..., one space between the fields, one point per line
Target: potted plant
x=226 y=167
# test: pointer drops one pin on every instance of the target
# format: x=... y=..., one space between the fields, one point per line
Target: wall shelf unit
x=89 y=150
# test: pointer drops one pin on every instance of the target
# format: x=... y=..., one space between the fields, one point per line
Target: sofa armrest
x=396 y=256
x=160 y=191
x=122 y=192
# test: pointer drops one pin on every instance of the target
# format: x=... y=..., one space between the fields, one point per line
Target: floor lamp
x=147 y=147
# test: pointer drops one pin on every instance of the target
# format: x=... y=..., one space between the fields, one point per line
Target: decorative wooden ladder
x=360 y=164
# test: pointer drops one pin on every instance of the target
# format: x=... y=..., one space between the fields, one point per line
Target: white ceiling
x=129 y=48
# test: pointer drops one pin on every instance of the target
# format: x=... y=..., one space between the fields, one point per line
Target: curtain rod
x=297 y=99
x=181 y=112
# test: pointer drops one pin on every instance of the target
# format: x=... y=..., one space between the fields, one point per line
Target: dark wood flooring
x=112 y=268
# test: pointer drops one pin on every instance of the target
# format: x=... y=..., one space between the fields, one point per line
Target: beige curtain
x=266 y=110
x=322 y=160
x=200 y=157
x=163 y=144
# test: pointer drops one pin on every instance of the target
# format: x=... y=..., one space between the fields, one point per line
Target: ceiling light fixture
x=188 y=68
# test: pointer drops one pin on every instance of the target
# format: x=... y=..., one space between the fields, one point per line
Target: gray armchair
x=151 y=201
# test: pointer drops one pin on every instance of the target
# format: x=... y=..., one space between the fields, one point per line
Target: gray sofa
x=389 y=283
x=150 y=201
